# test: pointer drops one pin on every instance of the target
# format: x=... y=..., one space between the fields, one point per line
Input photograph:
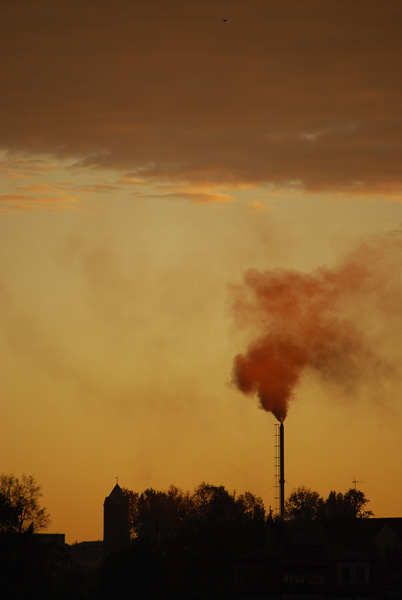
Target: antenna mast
x=355 y=482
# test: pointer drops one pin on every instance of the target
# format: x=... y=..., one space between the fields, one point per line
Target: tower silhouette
x=116 y=521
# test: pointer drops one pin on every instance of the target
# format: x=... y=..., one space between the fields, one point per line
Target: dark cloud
x=283 y=92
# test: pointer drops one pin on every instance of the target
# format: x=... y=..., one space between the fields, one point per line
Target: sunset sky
x=176 y=191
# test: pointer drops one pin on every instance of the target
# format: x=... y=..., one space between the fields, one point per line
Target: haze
x=152 y=154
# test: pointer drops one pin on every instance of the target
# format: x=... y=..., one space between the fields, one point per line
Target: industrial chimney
x=281 y=471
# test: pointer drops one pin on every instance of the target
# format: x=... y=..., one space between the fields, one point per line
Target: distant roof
x=339 y=540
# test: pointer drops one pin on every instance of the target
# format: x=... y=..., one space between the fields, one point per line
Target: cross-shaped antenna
x=355 y=482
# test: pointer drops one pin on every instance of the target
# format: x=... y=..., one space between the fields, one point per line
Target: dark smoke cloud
x=333 y=321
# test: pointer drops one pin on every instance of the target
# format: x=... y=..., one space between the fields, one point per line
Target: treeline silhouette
x=184 y=544
x=209 y=510
x=304 y=503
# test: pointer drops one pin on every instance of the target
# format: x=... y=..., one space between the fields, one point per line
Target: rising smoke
x=333 y=321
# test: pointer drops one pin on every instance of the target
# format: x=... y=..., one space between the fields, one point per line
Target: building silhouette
x=356 y=559
x=116 y=521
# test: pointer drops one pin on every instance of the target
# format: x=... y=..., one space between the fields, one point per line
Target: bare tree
x=20 y=509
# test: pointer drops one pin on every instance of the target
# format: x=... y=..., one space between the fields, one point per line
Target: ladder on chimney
x=277 y=468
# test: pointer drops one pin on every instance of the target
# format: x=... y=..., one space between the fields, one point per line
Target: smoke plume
x=333 y=321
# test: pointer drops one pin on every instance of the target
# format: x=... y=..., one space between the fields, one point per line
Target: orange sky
x=150 y=155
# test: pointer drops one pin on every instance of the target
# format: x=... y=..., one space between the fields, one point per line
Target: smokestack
x=282 y=470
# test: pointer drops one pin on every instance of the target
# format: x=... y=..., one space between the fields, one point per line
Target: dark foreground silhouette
x=213 y=544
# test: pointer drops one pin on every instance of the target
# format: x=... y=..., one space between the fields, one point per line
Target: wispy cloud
x=41 y=185
x=16 y=176
x=11 y=203
x=98 y=187
x=258 y=207
x=18 y=168
x=131 y=181
x=201 y=194
x=202 y=197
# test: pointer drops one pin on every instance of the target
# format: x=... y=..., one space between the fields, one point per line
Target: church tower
x=116 y=521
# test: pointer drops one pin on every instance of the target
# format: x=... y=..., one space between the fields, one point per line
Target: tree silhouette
x=209 y=510
x=20 y=510
x=305 y=503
